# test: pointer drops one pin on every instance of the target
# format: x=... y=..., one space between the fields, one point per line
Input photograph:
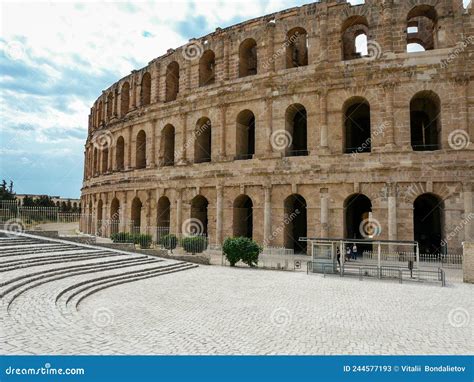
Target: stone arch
x=248 y=58
x=110 y=105
x=202 y=140
x=422 y=21
x=141 y=150
x=172 y=81
x=243 y=217
x=100 y=114
x=168 y=144
x=245 y=135
x=428 y=223
x=163 y=215
x=114 y=216
x=296 y=224
x=124 y=98
x=296 y=125
x=296 y=48
x=199 y=213
x=136 y=214
x=207 y=68
x=105 y=159
x=120 y=153
x=96 y=161
x=357 y=127
x=145 y=93
x=357 y=210
x=353 y=27
x=99 y=217
x=425 y=121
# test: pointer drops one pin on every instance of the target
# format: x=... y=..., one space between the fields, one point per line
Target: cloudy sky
x=57 y=57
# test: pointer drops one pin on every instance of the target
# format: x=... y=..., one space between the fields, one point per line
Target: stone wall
x=468 y=262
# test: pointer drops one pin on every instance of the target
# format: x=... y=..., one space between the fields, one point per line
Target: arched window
x=207 y=68
x=136 y=215
x=202 y=141
x=120 y=153
x=105 y=159
x=428 y=223
x=110 y=105
x=124 y=98
x=354 y=37
x=172 y=81
x=199 y=206
x=243 y=217
x=96 y=162
x=100 y=115
x=163 y=217
x=425 y=124
x=297 y=48
x=167 y=139
x=357 y=126
x=145 y=93
x=295 y=215
x=245 y=135
x=422 y=23
x=114 y=216
x=248 y=58
x=141 y=150
x=296 y=126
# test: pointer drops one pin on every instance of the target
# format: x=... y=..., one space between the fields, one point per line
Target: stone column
x=219 y=214
x=152 y=162
x=323 y=35
x=468 y=212
x=129 y=149
x=324 y=212
x=323 y=121
x=123 y=215
x=392 y=211
x=182 y=158
x=267 y=216
x=222 y=150
x=462 y=84
x=226 y=58
x=269 y=127
x=157 y=76
x=179 y=209
x=271 y=46
x=388 y=129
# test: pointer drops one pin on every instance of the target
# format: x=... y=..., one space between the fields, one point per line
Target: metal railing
x=448 y=260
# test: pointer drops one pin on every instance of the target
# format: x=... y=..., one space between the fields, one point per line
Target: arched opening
x=296 y=126
x=105 y=159
x=357 y=126
x=243 y=217
x=141 y=150
x=172 y=81
x=120 y=153
x=354 y=38
x=167 y=138
x=207 y=68
x=145 y=93
x=248 y=58
x=202 y=141
x=96 y=161
x=110 y=105
x=90 y=219
x=357 y=223
x=428 y=223
x=124 y=98
x=100 y=113
x=136 y=215
x=163 y=216
x=296 y=48
x=295 y=223
x=425 y=124
x=99 y=217
x=114 y=216
x=199 y=206
x=422 y=27
x=245 y=137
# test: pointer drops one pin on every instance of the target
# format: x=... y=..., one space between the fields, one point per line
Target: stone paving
x=221 y=310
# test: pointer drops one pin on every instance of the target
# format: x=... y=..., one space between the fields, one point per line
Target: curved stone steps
x=43 y=260
x=64 y=275
x=128 y=279
x=37 y=249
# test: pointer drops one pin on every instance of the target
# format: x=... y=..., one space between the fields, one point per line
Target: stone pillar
x=270 y=48
x=269 y=127
x=388 y=128
x=152 y=162
x=129 y=149
x=219 y=215
x=462 y=85
x=222 y=150
x=123 y=215
x=157 y=72
x=226 y=58
x=323 y=35
x=323 y=121
x=324 y=212
x=468 y=262
x=179 y=209
x=267 y=216
x=182 y=157
x=392 y=211
x=468 y=212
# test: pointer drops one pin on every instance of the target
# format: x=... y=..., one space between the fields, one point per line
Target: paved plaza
x=107 y=302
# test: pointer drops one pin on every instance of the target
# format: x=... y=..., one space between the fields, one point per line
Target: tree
x=6 y=193
x=241 y=248
x=44 y=201
x=28 y=201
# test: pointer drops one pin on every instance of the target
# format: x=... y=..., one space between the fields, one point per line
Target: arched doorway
x=124 y=98
x=141 y=150
x=172 y=81
x=354 y=35
x=295 y=223
x=245 y=135
x=428 y=223
x=163 y=217
x=357 y=126
x=100 y=205
x=248 y=58
x=243 y=217
x=425 y=121
x=145 y=93
x=357 y=215
x=296 y=126
x=114 y=216
x=119 y=153
x=297 y=48
x=202 y=141
x=136 y=215
x=207 y=68
x=167 y=139
x=422 y=27
x=199 y=206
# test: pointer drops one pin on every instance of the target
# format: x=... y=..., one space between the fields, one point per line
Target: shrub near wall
x=194 y=244
x=241 y=249
x=169 y=242
x=136 y=238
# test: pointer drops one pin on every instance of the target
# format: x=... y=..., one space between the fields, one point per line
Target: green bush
x=136 y=238
x=122 y=237
x=241 y=248
x=194 y=244
x=143 y=240
x=169 y=241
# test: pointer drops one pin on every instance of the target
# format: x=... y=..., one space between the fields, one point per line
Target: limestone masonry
x=314 y=121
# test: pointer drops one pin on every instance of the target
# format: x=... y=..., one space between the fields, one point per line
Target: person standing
x=348 y=253
x=354 y=251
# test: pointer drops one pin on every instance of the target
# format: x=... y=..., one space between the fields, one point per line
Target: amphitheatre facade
x=315 y=121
